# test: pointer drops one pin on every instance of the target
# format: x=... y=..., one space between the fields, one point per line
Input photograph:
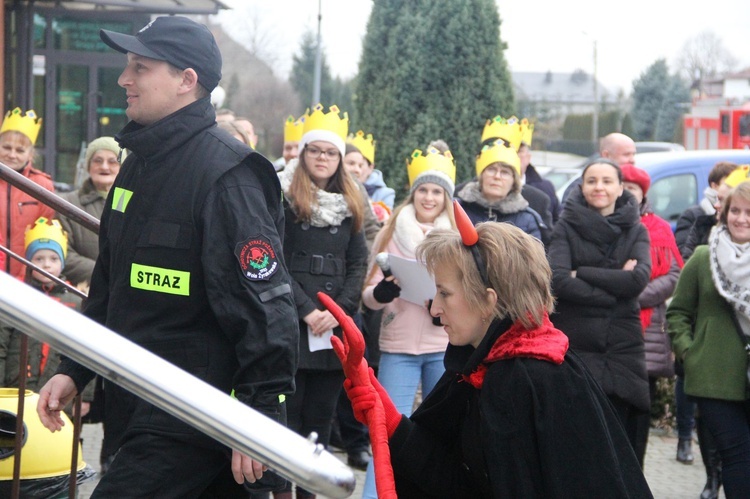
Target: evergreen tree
x=302 y=76
x=649 y=93
x=672 y=110
x=431 y=70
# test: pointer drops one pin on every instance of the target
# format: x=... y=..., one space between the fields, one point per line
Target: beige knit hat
x=107 y=143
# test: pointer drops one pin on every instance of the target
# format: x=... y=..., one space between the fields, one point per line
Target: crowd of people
x=536 y=361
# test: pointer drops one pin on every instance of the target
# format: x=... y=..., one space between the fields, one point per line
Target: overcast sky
x=541 y=35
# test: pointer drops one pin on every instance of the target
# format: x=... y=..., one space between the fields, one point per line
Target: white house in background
x=552 y=96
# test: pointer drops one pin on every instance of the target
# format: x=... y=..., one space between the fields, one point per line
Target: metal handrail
x=49 y=198
x=173 y=390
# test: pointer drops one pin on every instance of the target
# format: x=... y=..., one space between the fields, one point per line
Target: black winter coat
x=533 y=430
x=535 y=180
x=190 y=267
x=598 y=309
x=331 y=259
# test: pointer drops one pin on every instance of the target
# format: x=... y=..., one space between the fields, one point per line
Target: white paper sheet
x=321 y=342
x=417 y=285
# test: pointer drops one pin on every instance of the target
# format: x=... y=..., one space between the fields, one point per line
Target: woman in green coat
x=709 y=322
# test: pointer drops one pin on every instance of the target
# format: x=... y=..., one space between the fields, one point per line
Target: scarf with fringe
x=663 y=252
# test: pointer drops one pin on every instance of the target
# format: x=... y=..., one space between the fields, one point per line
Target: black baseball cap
x=180 y=41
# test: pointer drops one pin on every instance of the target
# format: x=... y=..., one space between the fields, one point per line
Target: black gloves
x=386 y=291
x=435 y=320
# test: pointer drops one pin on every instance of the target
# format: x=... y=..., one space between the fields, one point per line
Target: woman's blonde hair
x=302 y=193
x=742 y=191
x=517 y=270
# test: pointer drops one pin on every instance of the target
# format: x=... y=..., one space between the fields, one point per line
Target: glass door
x=110 y=109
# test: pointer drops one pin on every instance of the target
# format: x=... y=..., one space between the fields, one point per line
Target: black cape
x=534 y=429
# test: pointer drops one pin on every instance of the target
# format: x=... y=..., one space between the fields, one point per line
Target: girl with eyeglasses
x=325 y=250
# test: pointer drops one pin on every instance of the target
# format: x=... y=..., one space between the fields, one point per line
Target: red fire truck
x=717 y=125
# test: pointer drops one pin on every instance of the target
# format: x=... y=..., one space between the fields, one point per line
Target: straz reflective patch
x=257 y=258
x=173 y=282
x=120 y=199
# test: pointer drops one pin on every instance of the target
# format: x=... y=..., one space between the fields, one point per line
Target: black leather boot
x=711 y=460
x=713 y=484
x=685 y=451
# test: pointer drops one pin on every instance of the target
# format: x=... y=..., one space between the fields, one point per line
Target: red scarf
x=543 y=343
x=663 y=251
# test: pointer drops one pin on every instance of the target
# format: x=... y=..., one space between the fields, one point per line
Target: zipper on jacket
x=24 y=203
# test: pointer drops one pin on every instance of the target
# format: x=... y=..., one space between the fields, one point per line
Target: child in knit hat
x=46 y=247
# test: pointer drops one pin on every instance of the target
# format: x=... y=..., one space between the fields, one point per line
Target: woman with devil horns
x=516 y=414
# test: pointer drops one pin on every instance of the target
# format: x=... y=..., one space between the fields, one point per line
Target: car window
x=560 y=178
x=670 y=196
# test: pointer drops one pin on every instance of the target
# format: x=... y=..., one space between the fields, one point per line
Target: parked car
x=557 y=167
x=678 y=178
x=657 y=147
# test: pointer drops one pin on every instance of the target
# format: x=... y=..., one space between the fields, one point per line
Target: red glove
x=365 y=398
x=369 y=406
x=392 y=416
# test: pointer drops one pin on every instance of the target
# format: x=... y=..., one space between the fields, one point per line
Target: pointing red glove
x=370 y=407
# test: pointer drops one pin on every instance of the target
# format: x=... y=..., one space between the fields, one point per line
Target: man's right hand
x=53 y=397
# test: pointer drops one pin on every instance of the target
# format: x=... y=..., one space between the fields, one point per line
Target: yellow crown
x=738 y=175
x=432 y=161
x=318 y=120
x=501 y=128
x=365 y=145
x=28 y=125
x=498 y=152
x=49 y=230
x=527 y=130
x=293 y=129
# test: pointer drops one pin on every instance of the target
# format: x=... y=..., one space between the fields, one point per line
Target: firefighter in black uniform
x=190 y=267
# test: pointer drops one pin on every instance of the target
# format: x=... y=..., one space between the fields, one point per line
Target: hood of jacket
x=160 y=139
x=592 y=226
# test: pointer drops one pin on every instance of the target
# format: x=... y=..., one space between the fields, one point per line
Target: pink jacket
x=405 y=327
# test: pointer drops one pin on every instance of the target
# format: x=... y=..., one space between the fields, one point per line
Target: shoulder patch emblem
x=258 y=259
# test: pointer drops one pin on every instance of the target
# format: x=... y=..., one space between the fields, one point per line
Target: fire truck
x=717 y=124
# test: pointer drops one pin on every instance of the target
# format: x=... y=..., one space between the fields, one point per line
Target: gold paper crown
x=28 y=125
x=293 y=129
x=43 y=230
x=738 y=175
x=365 y=145
x=318 y=120
x=498 y=152
x=527 y=130
x=433 y=160
x=500 y=128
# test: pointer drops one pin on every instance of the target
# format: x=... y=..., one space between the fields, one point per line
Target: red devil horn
x=468 y=233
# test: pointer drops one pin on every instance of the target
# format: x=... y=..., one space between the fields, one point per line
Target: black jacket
x=685 y=222
x=330 y=259
x=598 y=309
x=191 y=268
x=534 y=430
x=535 y=180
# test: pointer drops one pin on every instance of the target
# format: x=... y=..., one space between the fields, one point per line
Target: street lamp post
x=595 y=120
x=318 y=61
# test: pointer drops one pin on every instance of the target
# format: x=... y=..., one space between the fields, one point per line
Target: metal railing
x=159 y=382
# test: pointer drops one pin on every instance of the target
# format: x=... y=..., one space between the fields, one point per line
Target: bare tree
x=245 y=23
x=704 y=56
